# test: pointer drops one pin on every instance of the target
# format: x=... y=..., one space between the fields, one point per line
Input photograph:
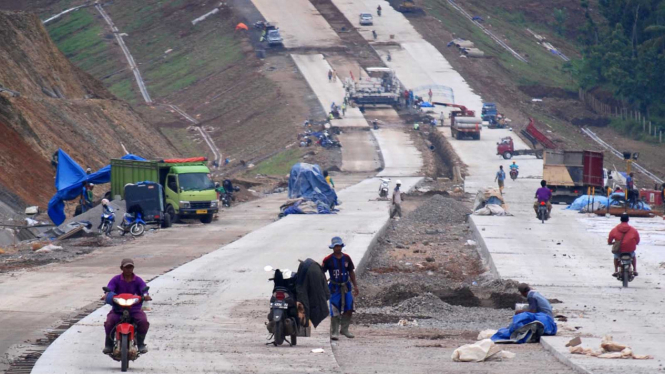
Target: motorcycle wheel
x=137 y=229
x=106 y=228
x=124 y=353
x=625 y=276
x=542 y=216
x=279 y=333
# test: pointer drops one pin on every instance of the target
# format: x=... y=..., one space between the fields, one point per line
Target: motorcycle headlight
x=213 y=203
x=184 y=204
x=125 y=302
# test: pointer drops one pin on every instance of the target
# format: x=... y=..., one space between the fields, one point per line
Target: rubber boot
x=140 y=342
x=346 y=321
x=108 y=346
x=334 y=327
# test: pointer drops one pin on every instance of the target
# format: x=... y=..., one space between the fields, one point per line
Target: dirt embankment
x=59 y=106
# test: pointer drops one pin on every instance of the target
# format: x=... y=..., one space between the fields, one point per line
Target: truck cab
x=190 y=193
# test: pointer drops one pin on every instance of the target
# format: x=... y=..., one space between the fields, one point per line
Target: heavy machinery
x=463 y=122
x=570 y=173
x=506 y=148
x=407 y=6
x=381 y=88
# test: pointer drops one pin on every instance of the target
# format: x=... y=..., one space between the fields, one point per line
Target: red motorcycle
x=125 y=347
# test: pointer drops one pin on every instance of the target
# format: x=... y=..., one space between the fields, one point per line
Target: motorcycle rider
x=341 y=269
x=127 y=282
x=543 y=194
x=515 y=167
x=629 y=239
x=107 y=210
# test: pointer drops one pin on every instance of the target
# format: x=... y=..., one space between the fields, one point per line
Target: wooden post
x=661 y=136
x=644 y=126
x=649 y=127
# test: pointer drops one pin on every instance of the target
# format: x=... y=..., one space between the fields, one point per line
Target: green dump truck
x=188 y=190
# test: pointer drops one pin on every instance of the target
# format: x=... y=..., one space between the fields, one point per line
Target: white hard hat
x=398 y=182
x=105 y=201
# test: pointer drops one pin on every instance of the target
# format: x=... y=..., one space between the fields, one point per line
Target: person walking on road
x=344 y=109
x=126 y=282
x=341 y=270
x=629 y=238
x=430 y=94
x=330 y=75
x=334 y=75
x=500 y=177
x=537 y=302
x=397 y=202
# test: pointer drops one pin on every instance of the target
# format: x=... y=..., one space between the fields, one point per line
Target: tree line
x=623 y=52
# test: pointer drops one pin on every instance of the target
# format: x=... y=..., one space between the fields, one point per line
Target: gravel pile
x=439 y=209
x=425 y=304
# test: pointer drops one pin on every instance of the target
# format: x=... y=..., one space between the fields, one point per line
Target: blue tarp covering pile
x=306 y=181
x=585 y=200
x=526 y=327
x=69 y=180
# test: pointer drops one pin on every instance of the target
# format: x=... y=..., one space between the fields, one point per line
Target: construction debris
x=608 y=349
x=489 y=202
x=479 y=351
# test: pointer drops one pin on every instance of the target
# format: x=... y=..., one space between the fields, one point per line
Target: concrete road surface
x=315 y=70
x=568 y=259
x=406 y=160
x=40 y=298
x=300 y=24
x=360 y=151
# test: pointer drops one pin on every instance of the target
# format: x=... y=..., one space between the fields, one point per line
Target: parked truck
x=463 y=122
x=570 y=173
x=188 y=190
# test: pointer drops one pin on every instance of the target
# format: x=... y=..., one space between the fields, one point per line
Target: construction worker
x=86 y=197
x=416 y=126
x=430 y=94
x=344 y=109
x=329 y=179
x=397 y=202
x=341 y=269
x=500 y=177
x=330 y=74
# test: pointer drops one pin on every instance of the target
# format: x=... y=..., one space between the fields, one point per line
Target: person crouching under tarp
x=530 y=324
x=341 y=269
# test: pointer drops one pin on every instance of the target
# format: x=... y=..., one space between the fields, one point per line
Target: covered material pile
x=526 y=328
x=489 y=202
x=483 y=350
x=309 y=192
x=587 y=203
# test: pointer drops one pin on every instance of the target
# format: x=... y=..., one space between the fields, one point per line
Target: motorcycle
x=513 y=174
x=543 y=212
x=107 y=223
x=133 y=224
x=384 y=188
x=283 y=316
x=626 y=273
x=125 y=346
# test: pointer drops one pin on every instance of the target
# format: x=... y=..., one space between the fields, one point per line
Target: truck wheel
x=171 y=212
x=507 y=155
x=166 y=223
x=207 y=218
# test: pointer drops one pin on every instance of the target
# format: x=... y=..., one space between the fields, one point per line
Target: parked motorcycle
x=626 y=273
x=384 y=188
x=543 y=213
x=513 y=174
x=133 y=224
x=125 y=346
x=108 y=219
x=283 y=316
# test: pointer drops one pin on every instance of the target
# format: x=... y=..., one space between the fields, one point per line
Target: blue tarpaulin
x=614 y=200
x=69 y=181
x=307 y=181
x=522 y=330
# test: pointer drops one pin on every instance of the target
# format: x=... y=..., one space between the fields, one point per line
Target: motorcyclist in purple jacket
x=543 y=194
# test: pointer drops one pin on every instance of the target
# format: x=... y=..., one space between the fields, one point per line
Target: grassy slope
x=543 y=68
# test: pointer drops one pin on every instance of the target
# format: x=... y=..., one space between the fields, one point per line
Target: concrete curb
x=562 y=358
x=483 y=251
